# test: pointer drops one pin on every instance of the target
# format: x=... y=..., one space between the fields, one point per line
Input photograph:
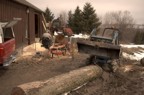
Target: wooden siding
x=9 y=10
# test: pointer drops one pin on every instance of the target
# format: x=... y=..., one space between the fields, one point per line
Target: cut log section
x=59 y=84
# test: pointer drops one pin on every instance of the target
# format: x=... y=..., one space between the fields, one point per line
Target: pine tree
x=77 y=20
x=70 y=19
x=90 y=18
x=48 y=15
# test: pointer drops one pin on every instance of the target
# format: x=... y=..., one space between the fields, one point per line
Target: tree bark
x=59 y=84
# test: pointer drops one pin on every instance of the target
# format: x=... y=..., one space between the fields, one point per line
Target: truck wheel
x=107 y=67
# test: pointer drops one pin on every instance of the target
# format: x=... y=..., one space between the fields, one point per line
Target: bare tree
x=63 y=18
x=122 y=20
x=119 y=19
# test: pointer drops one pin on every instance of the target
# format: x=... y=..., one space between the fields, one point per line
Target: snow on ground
x=136 y=52
x=81 y=36
x=131 y=46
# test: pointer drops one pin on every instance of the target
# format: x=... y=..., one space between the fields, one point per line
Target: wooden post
x=59 y=84
x=72 y=47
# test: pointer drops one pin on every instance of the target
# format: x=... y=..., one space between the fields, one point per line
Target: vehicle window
x=108 y=33
x=1 y=38
x=8 y=34
x=96 y=33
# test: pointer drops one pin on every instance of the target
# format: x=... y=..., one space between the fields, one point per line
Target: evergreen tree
x=90 y=18
x=77 y=21
x=48 y=15
x=70 y=19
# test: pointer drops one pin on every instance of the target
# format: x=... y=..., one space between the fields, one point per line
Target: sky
x=135 y=7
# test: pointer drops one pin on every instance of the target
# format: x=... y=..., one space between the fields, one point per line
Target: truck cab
x=103 y=47
x=7 y=42
x=109 y=35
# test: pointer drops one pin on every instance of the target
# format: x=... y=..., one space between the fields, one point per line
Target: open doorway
x=36 y=25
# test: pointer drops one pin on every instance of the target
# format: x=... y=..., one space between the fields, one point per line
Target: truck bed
x=6 y=50
x=98 y=48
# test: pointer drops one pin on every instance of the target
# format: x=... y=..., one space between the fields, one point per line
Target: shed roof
x=26 y=3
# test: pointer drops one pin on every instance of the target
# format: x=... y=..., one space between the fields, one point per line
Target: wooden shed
x=30 y=25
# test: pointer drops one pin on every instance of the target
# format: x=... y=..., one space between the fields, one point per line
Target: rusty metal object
x=98 y=49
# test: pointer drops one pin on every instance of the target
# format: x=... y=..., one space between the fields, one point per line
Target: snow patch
x=135 y=55
x=131 y=46
x=81 y=36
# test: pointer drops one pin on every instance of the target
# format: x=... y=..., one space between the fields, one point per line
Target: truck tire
x=106 y=65
x=142 y=61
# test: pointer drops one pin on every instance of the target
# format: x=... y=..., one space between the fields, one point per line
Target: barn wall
x=9 y=10
x=32 y=26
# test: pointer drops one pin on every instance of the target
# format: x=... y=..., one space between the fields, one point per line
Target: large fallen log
x=59 y=84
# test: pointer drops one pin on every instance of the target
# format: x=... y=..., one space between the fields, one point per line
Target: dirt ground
x=127 y=80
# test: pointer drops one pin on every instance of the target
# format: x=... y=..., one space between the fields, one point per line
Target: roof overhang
x=26 y=3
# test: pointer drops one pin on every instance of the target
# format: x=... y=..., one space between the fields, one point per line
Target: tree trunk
x=59 y=84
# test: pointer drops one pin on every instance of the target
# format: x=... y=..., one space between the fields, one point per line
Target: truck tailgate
x=9 y=47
